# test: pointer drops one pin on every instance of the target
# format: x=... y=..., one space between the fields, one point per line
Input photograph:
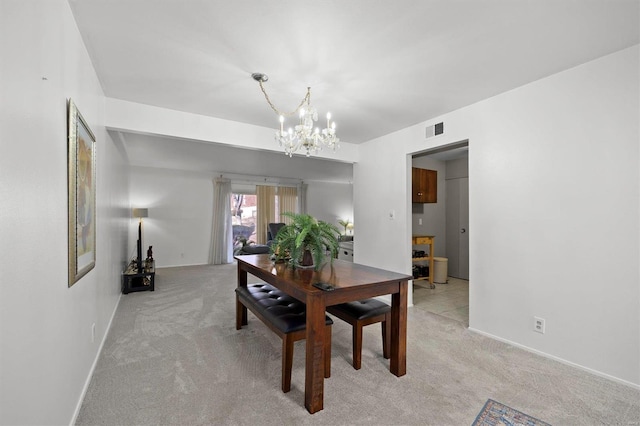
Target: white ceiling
x=377 y=65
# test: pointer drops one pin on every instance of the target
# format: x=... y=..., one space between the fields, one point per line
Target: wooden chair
x=360 y=314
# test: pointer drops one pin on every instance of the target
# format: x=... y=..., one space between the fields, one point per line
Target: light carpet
x=174 y=357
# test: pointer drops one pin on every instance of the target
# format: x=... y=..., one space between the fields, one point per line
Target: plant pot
x=307 y=259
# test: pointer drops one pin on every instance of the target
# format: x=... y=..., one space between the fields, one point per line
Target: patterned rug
x=496 y=414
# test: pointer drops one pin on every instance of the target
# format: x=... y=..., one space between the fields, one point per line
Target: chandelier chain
x=305 y=100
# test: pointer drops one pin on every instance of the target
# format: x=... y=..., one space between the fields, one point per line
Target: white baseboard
x=180 y=266
x=93 y=365
x=561 y=360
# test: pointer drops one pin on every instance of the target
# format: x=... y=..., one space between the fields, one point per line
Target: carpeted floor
x=174 y=357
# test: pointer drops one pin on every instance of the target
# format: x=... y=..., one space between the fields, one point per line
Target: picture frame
x=82 y=195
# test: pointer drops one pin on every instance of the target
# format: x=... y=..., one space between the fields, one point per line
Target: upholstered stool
x=285 y=316
x=359 y=314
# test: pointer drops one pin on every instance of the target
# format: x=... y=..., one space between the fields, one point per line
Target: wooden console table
x=135 y=280
x=352 y=282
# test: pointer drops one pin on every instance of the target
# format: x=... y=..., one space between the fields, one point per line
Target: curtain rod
x=259 y=180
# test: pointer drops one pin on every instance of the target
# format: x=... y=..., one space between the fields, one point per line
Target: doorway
x=448 y=221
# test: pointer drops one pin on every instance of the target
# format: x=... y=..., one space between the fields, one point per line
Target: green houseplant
x=305 y=241
x=345 y=224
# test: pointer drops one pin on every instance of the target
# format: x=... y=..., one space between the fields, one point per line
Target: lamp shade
x=140 y=212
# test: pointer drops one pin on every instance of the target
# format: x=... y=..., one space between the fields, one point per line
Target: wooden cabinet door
x=424 y=185
x=417 y=185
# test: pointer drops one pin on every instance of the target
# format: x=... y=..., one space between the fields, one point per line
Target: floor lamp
x=140 y=213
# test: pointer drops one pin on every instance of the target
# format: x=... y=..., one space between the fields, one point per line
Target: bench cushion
x=283 y=311
x=363 y=309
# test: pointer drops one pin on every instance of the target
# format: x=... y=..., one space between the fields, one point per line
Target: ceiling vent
x=435 y=130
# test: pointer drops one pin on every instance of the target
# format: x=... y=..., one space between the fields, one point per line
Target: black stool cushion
x=363 y=309
x=283 y=311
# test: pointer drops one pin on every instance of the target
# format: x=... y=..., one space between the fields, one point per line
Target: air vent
x=435 y=130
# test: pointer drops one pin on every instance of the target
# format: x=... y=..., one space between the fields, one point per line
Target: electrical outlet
x=93 y=332
x=420 y=221
x=538 y=325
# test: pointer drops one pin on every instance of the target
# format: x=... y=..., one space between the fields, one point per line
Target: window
x=243 y=216
x=251 y=212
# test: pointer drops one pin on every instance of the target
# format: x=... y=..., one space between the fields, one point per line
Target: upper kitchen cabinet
x=424 y=188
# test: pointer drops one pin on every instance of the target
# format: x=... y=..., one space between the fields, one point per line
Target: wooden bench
x=285 y=316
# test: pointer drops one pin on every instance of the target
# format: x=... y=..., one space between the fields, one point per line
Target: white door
x=464 y=229
x=457 y=227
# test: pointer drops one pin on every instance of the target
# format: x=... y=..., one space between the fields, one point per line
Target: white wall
x=46 y=350
x=330 y=202
x=554 y=205
x=180 y=207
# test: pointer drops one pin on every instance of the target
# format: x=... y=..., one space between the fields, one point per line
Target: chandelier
x=303 y=136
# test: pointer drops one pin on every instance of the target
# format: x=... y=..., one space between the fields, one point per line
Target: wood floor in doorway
x=450 y=300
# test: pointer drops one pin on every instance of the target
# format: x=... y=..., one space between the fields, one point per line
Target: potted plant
x=305 y=241
x=345 y=224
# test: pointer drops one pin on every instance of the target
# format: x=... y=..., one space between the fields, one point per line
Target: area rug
x=494 y=413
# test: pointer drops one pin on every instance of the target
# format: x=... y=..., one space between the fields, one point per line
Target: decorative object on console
x=306 y=241
x=148 y=263
x=82 y=195
x=302 y=136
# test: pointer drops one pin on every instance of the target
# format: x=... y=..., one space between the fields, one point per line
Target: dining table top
x=342 y=275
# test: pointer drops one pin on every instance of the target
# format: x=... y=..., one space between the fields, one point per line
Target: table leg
x=314 y=368
x=242 y=276
x=241 y=310
x=398 y=364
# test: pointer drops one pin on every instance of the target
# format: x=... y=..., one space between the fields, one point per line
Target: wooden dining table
x=350 y=282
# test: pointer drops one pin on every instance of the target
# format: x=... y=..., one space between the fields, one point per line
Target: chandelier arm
x=305 y=100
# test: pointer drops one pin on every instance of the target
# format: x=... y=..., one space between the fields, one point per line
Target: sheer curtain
x=302 y=198
x=221 y=229
x=287 y=201
x=266 y=211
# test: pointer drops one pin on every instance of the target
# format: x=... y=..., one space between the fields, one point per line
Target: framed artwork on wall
x=82 y=195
